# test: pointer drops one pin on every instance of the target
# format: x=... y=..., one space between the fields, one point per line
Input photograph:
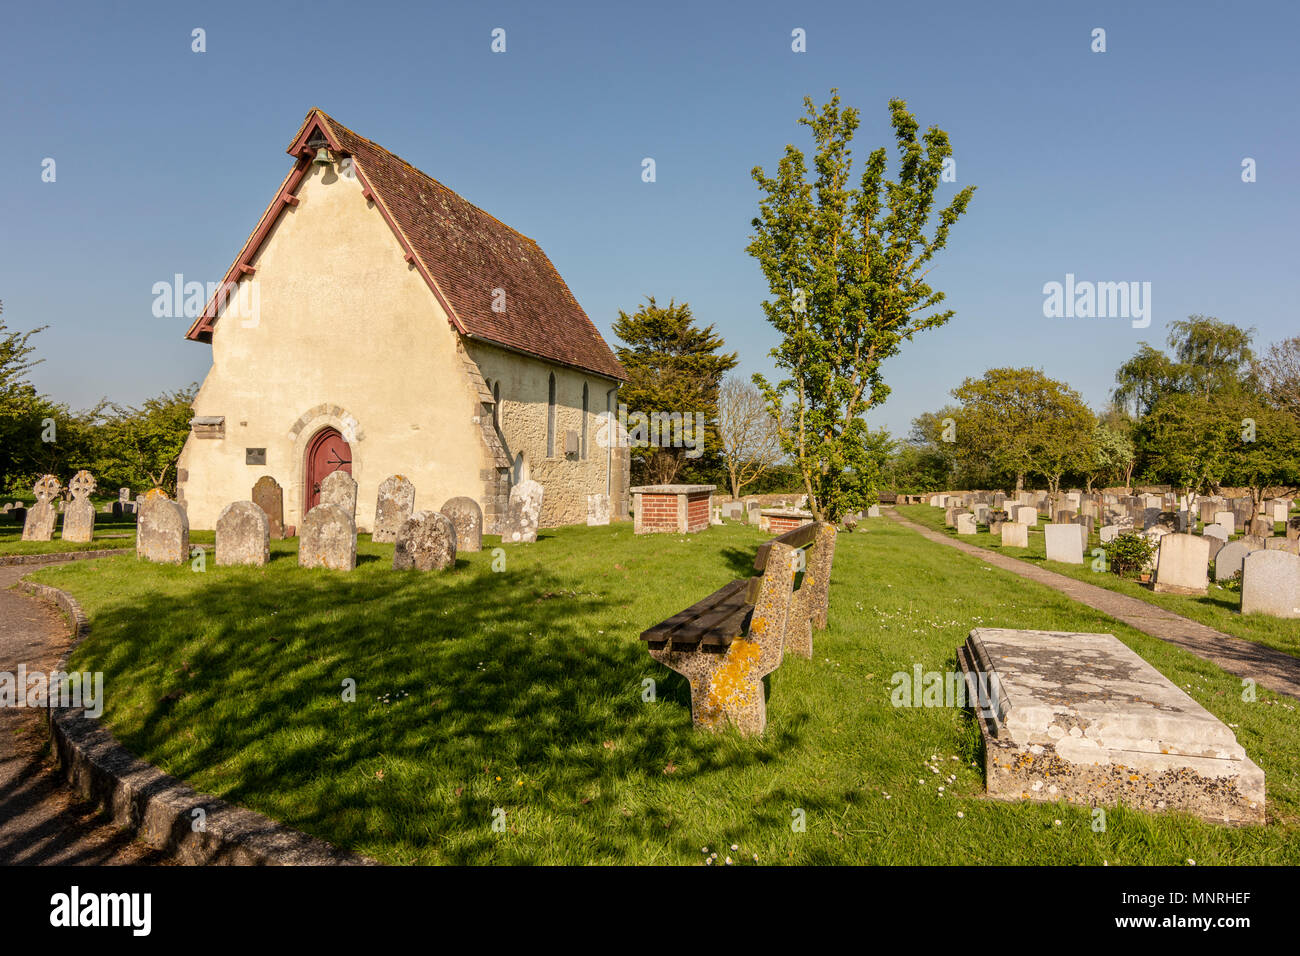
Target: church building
x=377 y=322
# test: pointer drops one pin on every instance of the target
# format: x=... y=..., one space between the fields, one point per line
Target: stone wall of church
x=523 y=386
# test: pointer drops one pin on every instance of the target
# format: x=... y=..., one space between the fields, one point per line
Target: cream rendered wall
x=346 y=334
x=524 y=393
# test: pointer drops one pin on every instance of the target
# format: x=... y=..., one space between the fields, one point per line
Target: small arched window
x=550 y=418
x=496 y=405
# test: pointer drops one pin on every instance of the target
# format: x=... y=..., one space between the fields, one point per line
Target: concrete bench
x=725 y=644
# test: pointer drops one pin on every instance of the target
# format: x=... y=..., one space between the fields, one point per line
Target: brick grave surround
x=671 y=508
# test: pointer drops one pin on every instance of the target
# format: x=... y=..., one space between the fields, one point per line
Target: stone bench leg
x=727 y=688
x=817 y=576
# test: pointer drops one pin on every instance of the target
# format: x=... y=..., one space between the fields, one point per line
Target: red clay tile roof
x=466 y=254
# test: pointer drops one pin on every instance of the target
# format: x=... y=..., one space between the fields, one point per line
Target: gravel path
x=41 y=820
x=1274 y=669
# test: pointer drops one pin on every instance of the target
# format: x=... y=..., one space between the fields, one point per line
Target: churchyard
x=1219 y=607
x=513 y=686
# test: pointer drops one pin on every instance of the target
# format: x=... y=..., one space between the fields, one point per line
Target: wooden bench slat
x=721 y=623
x=660 y=631
x=800 y=537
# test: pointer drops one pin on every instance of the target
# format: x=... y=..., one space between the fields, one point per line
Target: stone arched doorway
x=327 y=452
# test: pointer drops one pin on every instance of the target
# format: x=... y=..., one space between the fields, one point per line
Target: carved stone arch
x=308 y=425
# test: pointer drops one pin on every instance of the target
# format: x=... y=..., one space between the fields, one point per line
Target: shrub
x=1128 y=553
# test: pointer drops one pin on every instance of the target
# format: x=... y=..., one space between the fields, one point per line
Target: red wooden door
x=327 y=453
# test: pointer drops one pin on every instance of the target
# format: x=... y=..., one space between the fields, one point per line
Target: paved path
x=1274 y=669
x=41 y=820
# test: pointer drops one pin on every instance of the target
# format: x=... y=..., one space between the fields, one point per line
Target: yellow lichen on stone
x=730 y=684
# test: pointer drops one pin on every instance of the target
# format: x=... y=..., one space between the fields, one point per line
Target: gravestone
x=466 y=519
x=79 y=518
x=124 y=494
x=598 y=510
x=1015 y=534
x=340 y=488
x=523 y=512
x=1109 y=532
x=753 y=513
x=1227 y=520
x=1215 y=545
x=163 y=531
x=328 y=538
x=1081 y=718
x=269 y=496
x=1229 y=559
x=1168 y=520
x=1278 y=509
x=1270 y=584
x=997 y=517
x=1216 y=531
x=1260 y=527
x=873 y=511
x=1027 y=515
x=243 y=534
x=1282 y=544
x=395 y=503
x=1293 y=528
x=426 y=541
x=38 y=523
x=1064 y=516
x=1064 y=543
x=966 y=524
x=1182 y=564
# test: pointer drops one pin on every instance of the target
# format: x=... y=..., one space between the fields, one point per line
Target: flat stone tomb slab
x=1082 y=718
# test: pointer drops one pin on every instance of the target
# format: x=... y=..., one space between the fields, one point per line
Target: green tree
x=675 y=369
x=1185 y=441
x=1019 y=421
x=1114 y=455
x=139 y=446
x=846 y=269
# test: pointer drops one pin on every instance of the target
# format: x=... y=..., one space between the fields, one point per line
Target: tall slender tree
x=846 y=268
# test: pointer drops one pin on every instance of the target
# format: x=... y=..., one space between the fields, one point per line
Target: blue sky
x=1115 y=166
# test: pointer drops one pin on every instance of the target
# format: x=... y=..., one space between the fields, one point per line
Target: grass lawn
x=523 y=690
x=1219 y=609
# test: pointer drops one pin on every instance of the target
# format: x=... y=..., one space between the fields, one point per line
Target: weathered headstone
x=1027 y=515
x=79 y=517
x=523 y=512
x=38 y=523
x=966 y=524
x=163 y=531
x=598 y=510
x=466 y=519
x=1216 y=531
x=1293 y=528
x=124 y=494
x=1183 y=564
x=340 y=488
x=1064 y=543
x=328 y=538
x=997 y=517
x=1270 y=584
x=1226 y=520
x=1260 y=527
x=394 y=505
x=269 y=496
x=1015 y=534
x=1282 y=544
x=873 y=511
x=243 y=534
x=753 y=513
x=426 y=541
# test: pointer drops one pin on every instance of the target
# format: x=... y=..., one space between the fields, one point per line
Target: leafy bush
x=1128 y=553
